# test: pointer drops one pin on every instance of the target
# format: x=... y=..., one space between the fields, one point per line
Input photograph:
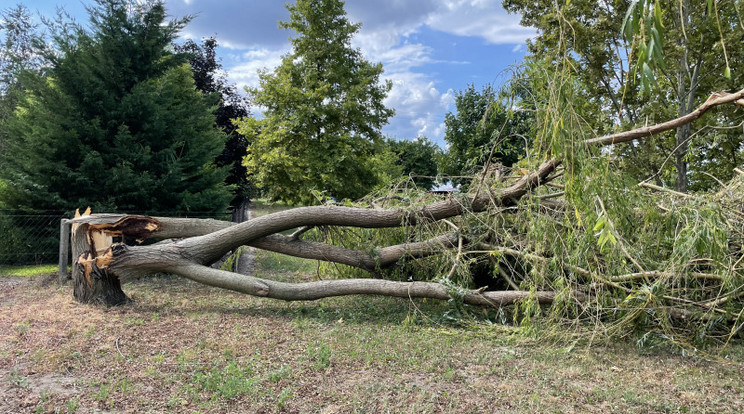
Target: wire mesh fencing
x=30 y=238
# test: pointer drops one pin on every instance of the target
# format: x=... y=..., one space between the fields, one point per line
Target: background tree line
x=105 y=114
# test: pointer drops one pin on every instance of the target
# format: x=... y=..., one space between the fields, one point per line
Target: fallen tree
x=101 y=264
x=536 y=266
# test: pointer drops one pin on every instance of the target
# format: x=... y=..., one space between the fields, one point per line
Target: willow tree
x=323 y=111
x=644 y=62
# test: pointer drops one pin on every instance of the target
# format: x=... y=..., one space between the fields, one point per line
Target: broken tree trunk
x=101 y=264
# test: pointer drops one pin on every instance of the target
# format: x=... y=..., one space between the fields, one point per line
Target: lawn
x=185 y=348
x=182 y=347
x=28 y=271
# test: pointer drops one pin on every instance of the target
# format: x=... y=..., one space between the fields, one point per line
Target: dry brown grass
x=185 y=348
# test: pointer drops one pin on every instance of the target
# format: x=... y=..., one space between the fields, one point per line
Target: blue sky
x=430 y=49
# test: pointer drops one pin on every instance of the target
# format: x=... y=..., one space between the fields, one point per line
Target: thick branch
x=344 y=287
x=212 y=238
x=718 y=98
x=211 y=246
x=380 y=258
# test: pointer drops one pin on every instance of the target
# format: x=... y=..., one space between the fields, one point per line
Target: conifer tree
x=211 y=80
x=115 y=122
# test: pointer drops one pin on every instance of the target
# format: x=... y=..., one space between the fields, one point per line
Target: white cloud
x=419 y=105
x=479 y=18
x=250 y=31
x=245 y=73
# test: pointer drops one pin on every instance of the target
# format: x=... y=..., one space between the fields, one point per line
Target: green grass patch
x=276 y=263
x=28 y=271
x=262 y=207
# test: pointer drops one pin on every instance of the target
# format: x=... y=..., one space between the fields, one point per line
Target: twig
x=459 y=249
x=659 y=273
x=508 y=279
x=666 y=190
x=620 y=241
x=117 y=347
x=302 y=230
x=554 y=195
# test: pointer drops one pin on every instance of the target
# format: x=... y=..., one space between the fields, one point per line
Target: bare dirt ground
x=184 y=348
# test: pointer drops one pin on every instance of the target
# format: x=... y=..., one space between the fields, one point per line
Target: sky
x=430 y=49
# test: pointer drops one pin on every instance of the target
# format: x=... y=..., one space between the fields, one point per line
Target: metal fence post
x=64 y=250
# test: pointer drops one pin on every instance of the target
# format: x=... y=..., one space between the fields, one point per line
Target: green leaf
x=629 y=26
x=600 y=224
x=727 y=73
x=657 y=14
x=648 y=73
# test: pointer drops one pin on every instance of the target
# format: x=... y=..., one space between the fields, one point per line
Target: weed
x=72 y=405
x=284 y=395
x=17 y=379
x=134 y=322
x=41 y=405
x=449 y=374
x=227 y=382
x=319 y=354
x=104 y=391
x=174 y=402
x=23 y=327
x=124 y=385
x=283 y=372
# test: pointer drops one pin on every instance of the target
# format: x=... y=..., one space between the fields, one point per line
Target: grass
x=184 y=347
x=28 y=271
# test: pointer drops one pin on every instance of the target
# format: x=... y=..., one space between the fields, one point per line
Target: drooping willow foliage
x=625 y=259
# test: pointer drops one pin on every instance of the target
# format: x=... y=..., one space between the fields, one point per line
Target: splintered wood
x=100 y=231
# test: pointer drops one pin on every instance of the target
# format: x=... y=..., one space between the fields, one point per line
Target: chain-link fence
x=28 y=238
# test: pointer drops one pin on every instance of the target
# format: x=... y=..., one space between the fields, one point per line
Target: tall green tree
x=684 y=41
x=323 y=111
x=483 y=127
x=115 y=122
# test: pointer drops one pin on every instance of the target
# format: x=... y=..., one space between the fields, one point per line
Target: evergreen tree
x=19 y=34
x=115 y=122
x=323 y=113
